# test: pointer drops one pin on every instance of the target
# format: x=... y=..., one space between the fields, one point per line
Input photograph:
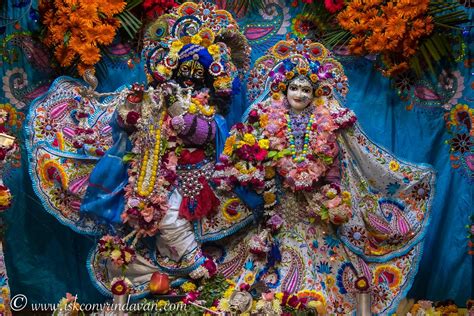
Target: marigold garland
x=77 y=28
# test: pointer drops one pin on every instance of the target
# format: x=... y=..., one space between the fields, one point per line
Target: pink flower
x=275 y=222
x=333 y=203
x=268 y=296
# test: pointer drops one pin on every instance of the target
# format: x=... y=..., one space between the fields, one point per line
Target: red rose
x=132 y=117
x=293 y=301
x=253 y=116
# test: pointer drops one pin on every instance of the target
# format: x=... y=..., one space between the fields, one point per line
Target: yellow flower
x=329 y=281
x=249 y=139
x=176 y=46
x=269 y=197
x=161 y=303
x=269 y=172
x=394 y=165
x=282 y=86
x=264 y=143
x=314 y=77
x=214 y=50
x=228 y=292
x=192 y=108
x=319 y=101
x=163 y=70
x=196 y=39
x=224 y=305
x=229 y=145
x=302 y=71
x=289 y=75
x=346 y=195
x=263 y=120
x=276 y=96
x=279 y=296
x=188 y=286
x=2 y=307
x=115 y=254
x=249 y=278
x=230 y=282
x=5 y=290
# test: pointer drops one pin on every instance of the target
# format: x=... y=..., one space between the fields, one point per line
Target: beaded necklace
x=299 y=157
x=150 y=165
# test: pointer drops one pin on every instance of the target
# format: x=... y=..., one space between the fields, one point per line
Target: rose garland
x=76 y=29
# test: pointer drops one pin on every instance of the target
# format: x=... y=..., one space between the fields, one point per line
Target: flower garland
x=76 y=29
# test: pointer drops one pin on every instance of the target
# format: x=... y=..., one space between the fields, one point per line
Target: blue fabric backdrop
x=45 y=259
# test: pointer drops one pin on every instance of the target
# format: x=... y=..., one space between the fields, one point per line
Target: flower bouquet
x=331 y=204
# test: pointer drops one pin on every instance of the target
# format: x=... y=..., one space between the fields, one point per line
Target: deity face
x=299 y=94
x=191 y=73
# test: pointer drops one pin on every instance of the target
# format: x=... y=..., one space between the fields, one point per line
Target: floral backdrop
x=427 y=120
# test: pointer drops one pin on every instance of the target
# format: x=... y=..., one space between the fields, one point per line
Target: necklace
x=147 y=165
x=299 y=157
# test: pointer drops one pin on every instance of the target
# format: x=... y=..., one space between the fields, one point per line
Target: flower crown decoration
x=201 y=32
x=292 y=58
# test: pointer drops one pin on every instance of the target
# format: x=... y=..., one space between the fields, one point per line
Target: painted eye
x=199 y=73
x=306 y=91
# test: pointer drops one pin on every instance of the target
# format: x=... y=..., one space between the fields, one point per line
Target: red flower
x=245 y=287
x=132 y=117
x=210 y=267
x=293 y=301
x=253 y=116
x=334 y=5
x=119 y=287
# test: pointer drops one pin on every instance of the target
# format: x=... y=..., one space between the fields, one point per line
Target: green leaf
x=128 y=157
x=272 y=154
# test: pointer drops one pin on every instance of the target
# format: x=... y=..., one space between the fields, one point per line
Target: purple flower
x=275 y=222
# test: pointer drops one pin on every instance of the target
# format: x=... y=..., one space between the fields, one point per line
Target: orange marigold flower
x=105 y=34
x=90 y=54
x=356 y=45
x=371 y=3
x=48 y=17
x=376 y=43
x=390 y=9
x=345 y=19
x=64 y=55
x=409 y=47
x=397 y=25
x=396 y=69
x=378 y=24
x=111 y=7
x=88 y=11
x=75 y=42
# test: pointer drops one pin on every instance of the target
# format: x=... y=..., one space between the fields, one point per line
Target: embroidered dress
x=346 y=209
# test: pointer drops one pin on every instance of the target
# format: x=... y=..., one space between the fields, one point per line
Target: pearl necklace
x=147 y=165
x=291 y=138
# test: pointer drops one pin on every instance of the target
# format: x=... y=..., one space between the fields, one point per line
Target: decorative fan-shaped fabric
x=59 y=170
x=392 y=199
